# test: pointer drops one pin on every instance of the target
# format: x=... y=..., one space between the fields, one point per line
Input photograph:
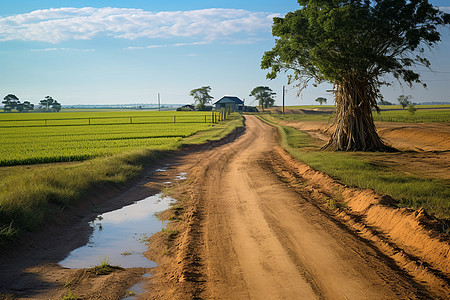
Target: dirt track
x=250 y=236
x=249 y=230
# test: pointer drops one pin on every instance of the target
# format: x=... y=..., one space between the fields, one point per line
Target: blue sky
x=124 y=52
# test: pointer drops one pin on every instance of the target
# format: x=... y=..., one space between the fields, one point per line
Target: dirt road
x=254 y=237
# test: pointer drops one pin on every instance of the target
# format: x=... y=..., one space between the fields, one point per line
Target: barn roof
x=230 y=99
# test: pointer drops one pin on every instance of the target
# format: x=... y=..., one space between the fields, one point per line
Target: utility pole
x=283 y=98
x=159 y=103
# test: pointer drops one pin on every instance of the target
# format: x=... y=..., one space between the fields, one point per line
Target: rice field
x=31 y=138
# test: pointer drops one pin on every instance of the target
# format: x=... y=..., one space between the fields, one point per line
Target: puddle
x=134 y=291
x=182 y=176
x=121 y=235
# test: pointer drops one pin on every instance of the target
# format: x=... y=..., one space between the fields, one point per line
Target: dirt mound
x=422 y=137
x=403 y=234
x=402 y=136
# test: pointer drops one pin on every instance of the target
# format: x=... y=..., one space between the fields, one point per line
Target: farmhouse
x=232 y=102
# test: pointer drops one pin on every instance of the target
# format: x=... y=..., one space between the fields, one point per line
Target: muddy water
x=120 y=236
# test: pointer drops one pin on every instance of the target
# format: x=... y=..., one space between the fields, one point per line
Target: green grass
x=217 y=132
x=32 y=195
x=420 y=116
x=355 y=169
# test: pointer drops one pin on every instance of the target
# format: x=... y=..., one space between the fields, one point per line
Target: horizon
x=114 y=52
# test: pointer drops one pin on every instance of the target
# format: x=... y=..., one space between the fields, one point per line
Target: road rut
x=257 y=238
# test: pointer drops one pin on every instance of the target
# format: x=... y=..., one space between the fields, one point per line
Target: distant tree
x=354 y=44
x=321 y=100
x=10 y=102
x=412 y=108
x=404 y=100
x=19 y=106
x=384 y=102
x=47 y=102
x=264 y=95
x=27 y=106
x=201 y=97
x=56 y=106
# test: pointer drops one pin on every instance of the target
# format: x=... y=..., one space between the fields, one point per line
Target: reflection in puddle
x=121 y=235
x=182 y=176
x=163 y=169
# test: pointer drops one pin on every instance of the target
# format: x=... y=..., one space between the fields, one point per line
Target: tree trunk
x=355 y=128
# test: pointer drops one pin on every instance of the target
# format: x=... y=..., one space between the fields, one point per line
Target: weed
x=70 y=296
x=105 y=267
x=105 y=261
x=125 y=253
x=332 y=204
x=131 y=293
x=165 y=252
x=8 y=233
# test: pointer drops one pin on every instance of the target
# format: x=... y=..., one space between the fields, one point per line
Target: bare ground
x=251 y=223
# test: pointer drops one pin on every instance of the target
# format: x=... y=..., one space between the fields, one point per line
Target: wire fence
x=213 y=117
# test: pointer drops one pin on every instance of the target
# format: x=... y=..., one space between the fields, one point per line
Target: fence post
x=131 y=120
x=89 y=121
x=174 y=119
x=45 y=122
x=205 y=118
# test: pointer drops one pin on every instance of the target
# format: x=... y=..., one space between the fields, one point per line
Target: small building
x=187 y=107
x=227 y=102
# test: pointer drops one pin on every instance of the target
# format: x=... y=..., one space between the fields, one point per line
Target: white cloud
x=61 y=24
x=445 y=8
x=167 y=45
x=63 y=49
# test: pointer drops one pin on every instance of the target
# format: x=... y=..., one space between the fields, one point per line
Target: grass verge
x=217 y=132
x=30 y=196
x=355 y=169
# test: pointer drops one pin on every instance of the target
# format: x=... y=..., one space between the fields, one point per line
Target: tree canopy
x=321 y=100
x=264 y=95
x=10 y=102
x=353 y=44
x=201 y=96
x=48 y=102
x=404 y=100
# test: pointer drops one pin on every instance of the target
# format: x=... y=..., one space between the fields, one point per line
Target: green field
x=389 y=113
x=111 y=150
x=31 y=138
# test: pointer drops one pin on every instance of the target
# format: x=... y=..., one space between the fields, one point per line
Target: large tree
x=201 y=96
x=353 y=44
x=264 y=95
